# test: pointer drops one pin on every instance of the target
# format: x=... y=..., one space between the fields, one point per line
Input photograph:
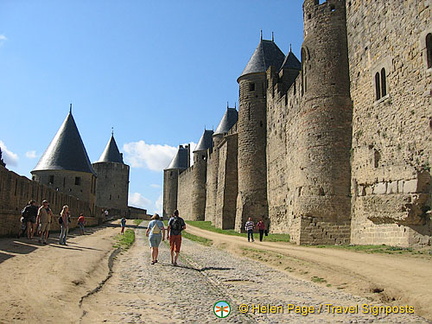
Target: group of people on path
x=156 y=234
x=249 y=228
x=37 y=221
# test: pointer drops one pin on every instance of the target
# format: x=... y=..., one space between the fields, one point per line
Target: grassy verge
x=126 y=240
x=379 y=249
x=137 y=222
x=206 y=225
x=198 y=239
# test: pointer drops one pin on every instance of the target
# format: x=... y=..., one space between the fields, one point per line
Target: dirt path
x=44 y=284
x=392 y=279
x=51 y=284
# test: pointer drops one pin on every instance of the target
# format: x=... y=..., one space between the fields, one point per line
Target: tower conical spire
x=266 y=54
x=111 y=152
x=66 y=151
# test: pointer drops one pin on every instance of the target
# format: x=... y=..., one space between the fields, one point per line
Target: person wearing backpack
x=156 y=233
x=176 y=225
x=29 y=214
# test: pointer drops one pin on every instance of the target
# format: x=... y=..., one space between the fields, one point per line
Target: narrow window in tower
x=377 y=158
x=429 y=50
x=51 y=179
x=377 y=86
x=64 y=182
x=78 y=181
x=383 y=83
x=251 y=86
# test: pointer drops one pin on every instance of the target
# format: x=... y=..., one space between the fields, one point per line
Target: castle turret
x=200 y=156
x=227 y=122
x=65 y=165
x=112 y=187
x=322 y=204
x=179 y=163
x=251 y=127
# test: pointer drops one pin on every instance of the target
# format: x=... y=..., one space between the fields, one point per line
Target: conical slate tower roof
x=180 y=160
x=228 y=120
x=205 y=142
x=266 y=54
x=66 y=151
x=111 y=152
x=291 y=62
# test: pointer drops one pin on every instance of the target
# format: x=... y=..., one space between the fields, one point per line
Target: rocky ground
x=141 y=293
x=74 y=284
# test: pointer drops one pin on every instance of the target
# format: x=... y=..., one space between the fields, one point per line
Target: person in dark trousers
x=176 y=225
x=249 y=227
x=261 y=228
x=30 y=213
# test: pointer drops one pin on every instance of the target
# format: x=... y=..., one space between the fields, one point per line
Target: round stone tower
x=227 y=122
x=200 y=156
x=112 y=187
x=252 y=132
x=324 y=194
x=179 y=163
x=65 y=165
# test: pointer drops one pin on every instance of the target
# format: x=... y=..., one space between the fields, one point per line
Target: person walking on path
x=156 y=233
x=123 y=224
x=44 y=219
x=81 y=223
x=261 y=228
x=64 y=224
x=249 y=227
x=29 y=213
x=176 y=225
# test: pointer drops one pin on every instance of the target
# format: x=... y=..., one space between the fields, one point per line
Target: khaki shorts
x=45 y=227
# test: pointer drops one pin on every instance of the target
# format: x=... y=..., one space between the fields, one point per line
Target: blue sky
x=158 y=72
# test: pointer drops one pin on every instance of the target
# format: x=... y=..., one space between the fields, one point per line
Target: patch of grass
x=126 y=240
x=377 y=249
x=137 y=222
x=198 y=239
x=207 y=225
x=318 y=279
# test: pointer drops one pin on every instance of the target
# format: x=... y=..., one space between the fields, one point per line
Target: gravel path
x=139 y=292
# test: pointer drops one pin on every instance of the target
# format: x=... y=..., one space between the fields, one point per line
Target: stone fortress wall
x=112 y=186
x=347 y=138
x=16 y=191
x=391 y=147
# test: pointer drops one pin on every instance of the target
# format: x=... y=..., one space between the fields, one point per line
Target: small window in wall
x=380 y=84
x=251 y=86
x=383 y=83
x=78 y=181
x=429 y=50
x=377 y=86
x=51 y=179
x=377 y=158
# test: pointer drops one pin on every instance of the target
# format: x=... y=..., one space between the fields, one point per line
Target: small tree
x=1 y=159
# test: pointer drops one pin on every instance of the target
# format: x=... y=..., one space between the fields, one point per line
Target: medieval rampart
x=16 y=191
x=391 y=87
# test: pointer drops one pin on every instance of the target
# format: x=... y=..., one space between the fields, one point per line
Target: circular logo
x=221 y=309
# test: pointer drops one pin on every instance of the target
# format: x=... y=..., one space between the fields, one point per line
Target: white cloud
x=31 y=154
x=9 y=157
x=155 y=186
x=138 y=200
x=3 y=39
x=154 y=157
x=159 y=204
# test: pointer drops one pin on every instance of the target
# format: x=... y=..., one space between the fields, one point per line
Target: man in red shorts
x=176 y=225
